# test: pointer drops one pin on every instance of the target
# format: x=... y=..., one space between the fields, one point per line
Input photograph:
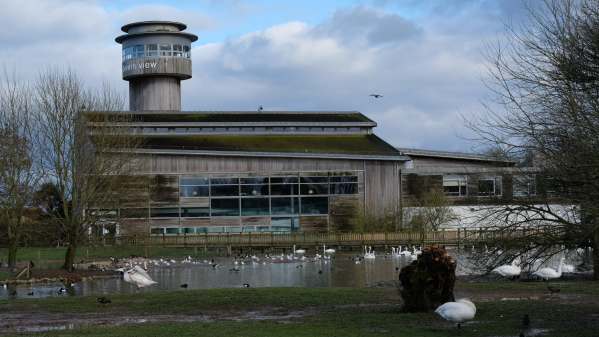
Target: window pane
x=194 y=212
x=177 y=47
x=318 y=205
x=486 y=187
x=288 y=189
x=172 y=231
x=201 y=230
x=194 y=181
x=165 y=47
x=224 y=181
x=254 y=180
x=309 y=189
x=315 y=179
x=194 y=191
x=283 y=180
x=134 y=213
x=224 y=190
x=250 y=190
x=344 y=179
x=164 y=213
x=346 y=188
x=285 y=205
x=215 y=229
x=233 y=229
x=255 y=206
x=188 y=230
x=225 y=207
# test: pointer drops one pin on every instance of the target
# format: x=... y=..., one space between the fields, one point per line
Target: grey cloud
x=364 y=24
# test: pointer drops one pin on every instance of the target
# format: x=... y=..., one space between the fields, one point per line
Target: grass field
x=329 y=312
x=50 y=254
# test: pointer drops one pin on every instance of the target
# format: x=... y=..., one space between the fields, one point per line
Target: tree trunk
x=12 y=252
x=595 y=247
x=69 y=258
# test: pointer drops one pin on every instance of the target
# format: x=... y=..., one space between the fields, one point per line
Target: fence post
x=458 y=238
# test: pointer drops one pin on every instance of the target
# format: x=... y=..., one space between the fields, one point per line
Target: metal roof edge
x=274 y=154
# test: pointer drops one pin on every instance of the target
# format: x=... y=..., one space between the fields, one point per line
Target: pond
x=342 y=270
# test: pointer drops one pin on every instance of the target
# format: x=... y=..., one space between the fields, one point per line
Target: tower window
x=165 y=50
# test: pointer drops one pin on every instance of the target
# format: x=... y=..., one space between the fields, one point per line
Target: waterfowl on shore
x=548 y=273
x=458 y=312
x=512 y=270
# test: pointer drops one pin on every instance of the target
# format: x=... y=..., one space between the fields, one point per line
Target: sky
x=426 y=57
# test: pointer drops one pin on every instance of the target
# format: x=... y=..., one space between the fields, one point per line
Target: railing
x=441 y=237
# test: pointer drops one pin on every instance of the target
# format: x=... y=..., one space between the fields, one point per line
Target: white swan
x=138 y=276
x=509 y=270
x=299 y=251
x=458 y=312
x=369 y=253
x=568 y=268
x=550 y=273
x=328 y=250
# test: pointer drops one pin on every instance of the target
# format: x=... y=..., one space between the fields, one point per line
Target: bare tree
x=19 y=174
x=82 y=161
x=431 y=211
x=546 y=79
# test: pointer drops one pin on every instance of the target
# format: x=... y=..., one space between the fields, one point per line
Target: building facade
x=202 y=172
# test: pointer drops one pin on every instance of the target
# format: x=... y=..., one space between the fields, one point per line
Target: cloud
x=428 y=67
x=428 y=77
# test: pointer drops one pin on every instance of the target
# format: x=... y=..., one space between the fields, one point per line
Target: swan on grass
x=299 y=251
x=548 y=273
x=509 y=270
x=457 y=312
x=328 y=251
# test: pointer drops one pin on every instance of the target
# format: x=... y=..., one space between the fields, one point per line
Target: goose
x=550 y=273
x=458 y=312
x=405 y=252
x=509 y=270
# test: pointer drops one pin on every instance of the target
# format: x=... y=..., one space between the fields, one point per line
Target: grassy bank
x=52 y=255
x=333 y=311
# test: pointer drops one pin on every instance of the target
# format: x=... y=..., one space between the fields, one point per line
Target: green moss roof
x=343 y=144
x=245 y=116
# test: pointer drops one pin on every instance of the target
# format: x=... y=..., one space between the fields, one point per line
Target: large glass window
x=311 y=189
x=489 y=186
x=283 y=206
x=456 y=186
x=315 y=205
x=284 y=189
x=255 y=206
x=186 y=52
x=193 y=187
x=224 y=190
x=344 y=188
x=254 y=186
x=225 y=207
x=173 y=230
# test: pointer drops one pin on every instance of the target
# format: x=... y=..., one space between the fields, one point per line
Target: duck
x=509 y=270
x=458 y=312
x=548 y=273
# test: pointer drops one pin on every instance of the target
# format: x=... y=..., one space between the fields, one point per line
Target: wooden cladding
x=164 y=189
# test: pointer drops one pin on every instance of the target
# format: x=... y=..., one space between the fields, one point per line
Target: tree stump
x=428 y=282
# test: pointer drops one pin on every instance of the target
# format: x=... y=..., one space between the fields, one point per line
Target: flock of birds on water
x=458 y=312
